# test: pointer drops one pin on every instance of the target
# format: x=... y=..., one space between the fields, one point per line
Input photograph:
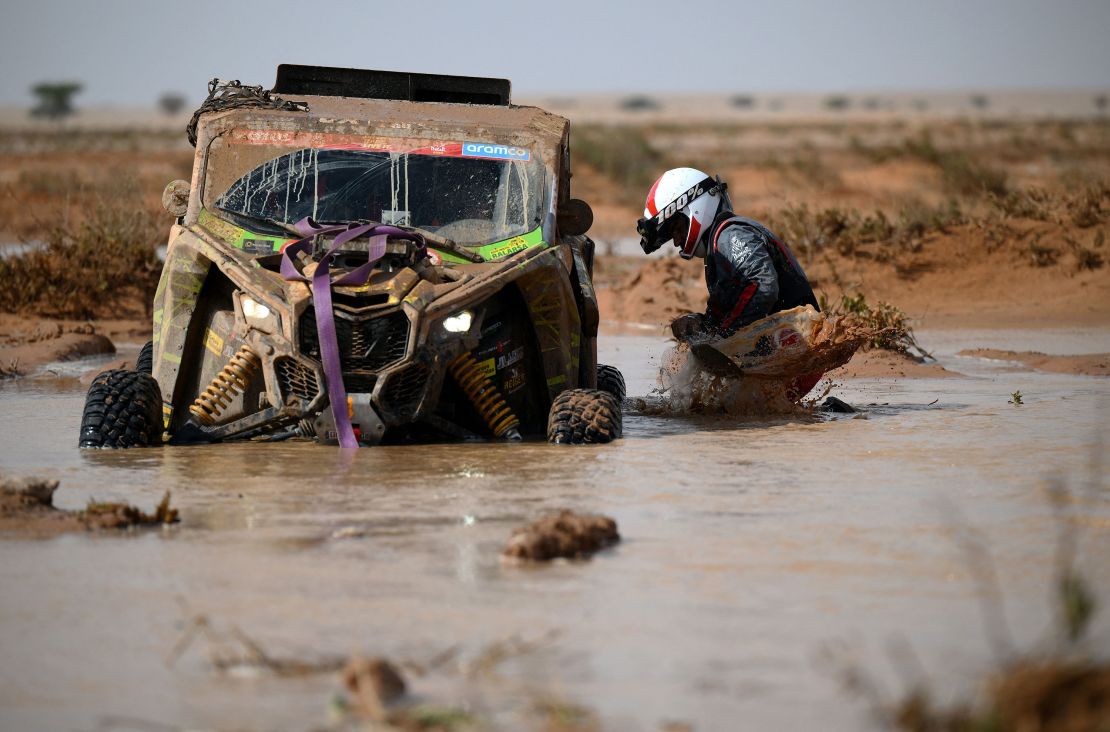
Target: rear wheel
x=610 y=379
x=584 y=416
x=145 y=360
x=122 y=409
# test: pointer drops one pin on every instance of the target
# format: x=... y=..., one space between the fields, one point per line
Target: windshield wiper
x=269 y=227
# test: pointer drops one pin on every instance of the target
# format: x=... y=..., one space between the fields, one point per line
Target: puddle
x=746 y=546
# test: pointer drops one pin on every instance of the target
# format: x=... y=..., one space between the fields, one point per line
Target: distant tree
x=171 y=103
x=837 y=103
x=743 y=101
x=55 y=99
x=872 y=103
x=1101 y=102
x=639 y=103
x=920 y=105
x=980 y=101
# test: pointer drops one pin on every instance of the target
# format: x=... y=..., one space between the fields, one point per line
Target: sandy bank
x=1090 y=364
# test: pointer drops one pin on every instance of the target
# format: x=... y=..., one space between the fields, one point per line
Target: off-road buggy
x=369 y=256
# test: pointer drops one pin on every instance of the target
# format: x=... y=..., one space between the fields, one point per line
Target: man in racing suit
x=749 y=271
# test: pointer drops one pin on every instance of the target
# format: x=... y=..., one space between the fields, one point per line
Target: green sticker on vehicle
x=499 y=249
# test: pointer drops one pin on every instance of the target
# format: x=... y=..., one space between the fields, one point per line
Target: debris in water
x=27 y=506
x=235 y=653
x=374 y=683
x=565 y=534
x=837 y=406
x=122 y=515
x=1015 y=399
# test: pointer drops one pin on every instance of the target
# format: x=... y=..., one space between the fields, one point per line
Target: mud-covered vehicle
x=364 y=257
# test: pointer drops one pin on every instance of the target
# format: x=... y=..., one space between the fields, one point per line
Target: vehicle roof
x=511 y=125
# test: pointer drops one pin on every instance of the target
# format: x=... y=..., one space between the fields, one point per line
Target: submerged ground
x=750 y=550
x=761 y=557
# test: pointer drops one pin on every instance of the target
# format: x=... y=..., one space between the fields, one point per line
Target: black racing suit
x=750 y=274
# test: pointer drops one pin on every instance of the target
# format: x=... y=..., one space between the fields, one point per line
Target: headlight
x=254 y=310
x=458 y=323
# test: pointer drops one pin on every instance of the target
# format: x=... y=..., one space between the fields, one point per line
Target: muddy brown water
x=748 y=549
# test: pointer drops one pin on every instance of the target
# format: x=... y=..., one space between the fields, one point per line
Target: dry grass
x=92 y=260
x=846 y=230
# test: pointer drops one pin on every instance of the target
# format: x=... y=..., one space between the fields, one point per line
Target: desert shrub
x=88 y=268
x=639 y=103
x=620 y=153
x=837 y=103
x=1042 y=255
x=1029 y=203
x=1085 y=208
x=743 y=101
x=845 y=229
x=1085 y=258
x=890 y=323
x=960 y=174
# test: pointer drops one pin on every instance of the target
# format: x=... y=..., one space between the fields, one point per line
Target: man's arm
x=747 y=283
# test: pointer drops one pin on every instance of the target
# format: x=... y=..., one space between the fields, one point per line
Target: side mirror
x=175 y=199
x=574 y=217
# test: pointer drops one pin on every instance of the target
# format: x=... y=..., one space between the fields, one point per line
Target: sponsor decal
x=510 y=358
x=680 y=202
x=258 y=246
x=489 y=370
x=434 y=257
x=513 y=380
x=512 y=246
x=214 y=343
x=495 y=152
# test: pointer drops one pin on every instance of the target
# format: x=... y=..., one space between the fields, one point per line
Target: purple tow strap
x=321 y=284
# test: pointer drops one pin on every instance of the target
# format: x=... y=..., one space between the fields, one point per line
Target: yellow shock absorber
x=484 y=395
x=233 y=379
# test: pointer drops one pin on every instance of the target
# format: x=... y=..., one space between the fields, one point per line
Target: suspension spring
x=232 y=380
x=485 y=396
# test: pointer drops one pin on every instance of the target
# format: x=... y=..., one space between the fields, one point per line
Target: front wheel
x=122 y=409
x=584 y=416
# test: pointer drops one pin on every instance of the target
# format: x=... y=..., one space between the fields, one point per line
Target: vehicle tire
x=144 y=362
x=610 y=379
x=584 y=416
x=122 y=409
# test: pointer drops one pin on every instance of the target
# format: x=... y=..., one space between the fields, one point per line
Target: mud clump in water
x=374 y=683
x=27 y=507
x=123 y=516
x=566 y=535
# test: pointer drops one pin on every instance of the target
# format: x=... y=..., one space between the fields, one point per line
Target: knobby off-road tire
x=145 y=360
x=122 y=409
x=584 y=416
x=610 y=379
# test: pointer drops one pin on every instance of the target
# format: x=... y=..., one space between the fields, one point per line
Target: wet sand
x=747 y=547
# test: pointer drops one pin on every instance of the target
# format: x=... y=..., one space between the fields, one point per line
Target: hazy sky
x=128 y=52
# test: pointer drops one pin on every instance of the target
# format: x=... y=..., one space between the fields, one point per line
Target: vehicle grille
x=295 y=378
x=404 y=391
x=366 y=343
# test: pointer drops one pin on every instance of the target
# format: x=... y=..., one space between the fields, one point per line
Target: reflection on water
x=747 y=547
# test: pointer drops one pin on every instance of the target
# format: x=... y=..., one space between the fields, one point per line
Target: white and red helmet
x=680 y=207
